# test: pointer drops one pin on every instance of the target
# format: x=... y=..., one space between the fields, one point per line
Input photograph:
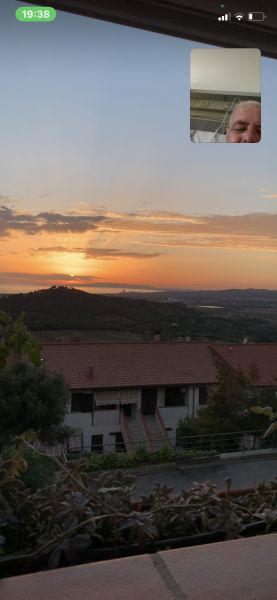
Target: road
x=244 y=473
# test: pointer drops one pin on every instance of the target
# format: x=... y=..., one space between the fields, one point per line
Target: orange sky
x=159 y=249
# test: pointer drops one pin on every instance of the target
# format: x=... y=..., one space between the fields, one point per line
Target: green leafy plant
x=268 y=412
x=229 y=402
x=31 y=398
x=16 y=342
x=139 y=457
x=75 y=515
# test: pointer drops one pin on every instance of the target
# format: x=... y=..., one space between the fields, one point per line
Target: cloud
x=39 y=280
x=6 y=277
x=45 y=279
x=53 y=249
x=252 y=231
x=110 y=253
x=50 y=222
x=100 y=253
x=217 y=241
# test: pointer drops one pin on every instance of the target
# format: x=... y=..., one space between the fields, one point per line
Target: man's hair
x=244 y=103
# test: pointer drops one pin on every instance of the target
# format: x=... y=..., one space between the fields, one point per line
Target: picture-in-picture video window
x=225 y=95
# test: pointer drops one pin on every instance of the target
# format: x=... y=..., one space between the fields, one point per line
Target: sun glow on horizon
x=73 y=263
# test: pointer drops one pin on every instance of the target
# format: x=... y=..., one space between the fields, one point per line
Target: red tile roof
x=245 y=356
x=136 y=364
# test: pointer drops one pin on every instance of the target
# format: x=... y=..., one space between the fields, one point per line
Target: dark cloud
x=52 y=249
x=110 y=253
x=11 y=220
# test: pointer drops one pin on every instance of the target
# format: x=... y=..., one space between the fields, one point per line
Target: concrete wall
x=170 y=417
x=106 y=418
x=108 y=440
x=78 y=420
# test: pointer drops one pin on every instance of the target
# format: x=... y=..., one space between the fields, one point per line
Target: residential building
x=123 y=393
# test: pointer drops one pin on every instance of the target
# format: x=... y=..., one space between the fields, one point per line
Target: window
x=81 y=402
x=203 y=395
x=175 y=396
x=97 y=443
x=119 y=442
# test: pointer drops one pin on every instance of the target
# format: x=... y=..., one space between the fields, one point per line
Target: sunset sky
x=100 y=186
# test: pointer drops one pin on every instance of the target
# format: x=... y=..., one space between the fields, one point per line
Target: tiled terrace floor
x=236 y=570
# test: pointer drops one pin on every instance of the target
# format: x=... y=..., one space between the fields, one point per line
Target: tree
x=271 y=416
x=16 y=342
x=229 y=403
x=186 y=429
x=31 y=398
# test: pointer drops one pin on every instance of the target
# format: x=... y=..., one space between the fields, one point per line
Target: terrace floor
x=242 y=569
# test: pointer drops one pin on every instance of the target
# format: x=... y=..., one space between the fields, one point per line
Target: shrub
x=74 y=516
x=141 y=456
x=40 y=471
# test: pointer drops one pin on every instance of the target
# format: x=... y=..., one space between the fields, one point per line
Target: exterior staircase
x=157 y=438
x=133 y=434
x=142 y=429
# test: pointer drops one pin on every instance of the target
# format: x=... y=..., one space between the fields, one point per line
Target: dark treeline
x=67 y=309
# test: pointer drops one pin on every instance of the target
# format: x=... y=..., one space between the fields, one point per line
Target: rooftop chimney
x=187 y=338
x=245 y=340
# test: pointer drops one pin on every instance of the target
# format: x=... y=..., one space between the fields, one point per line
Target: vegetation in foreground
x=58 y=515
x=74 y=519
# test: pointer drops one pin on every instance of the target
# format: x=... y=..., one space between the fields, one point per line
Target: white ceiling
x=226 y=70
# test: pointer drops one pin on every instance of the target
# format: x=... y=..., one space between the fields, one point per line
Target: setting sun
x=68 y=262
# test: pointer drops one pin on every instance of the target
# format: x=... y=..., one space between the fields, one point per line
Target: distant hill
x=70 y=310
x=230 y=298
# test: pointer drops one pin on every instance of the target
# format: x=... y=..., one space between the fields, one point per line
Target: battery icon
x=256 y=16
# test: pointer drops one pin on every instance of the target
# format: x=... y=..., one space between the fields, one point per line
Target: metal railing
x=235 y=441
x=220 y=443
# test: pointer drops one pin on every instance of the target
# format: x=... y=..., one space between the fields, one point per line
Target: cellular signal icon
x=225 y=17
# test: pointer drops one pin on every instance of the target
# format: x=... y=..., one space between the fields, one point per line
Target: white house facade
x=124 y=394
x=150 y=415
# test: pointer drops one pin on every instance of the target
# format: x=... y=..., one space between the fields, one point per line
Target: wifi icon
x=239 y=16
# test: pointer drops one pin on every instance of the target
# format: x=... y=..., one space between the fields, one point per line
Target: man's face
x=245 y=125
